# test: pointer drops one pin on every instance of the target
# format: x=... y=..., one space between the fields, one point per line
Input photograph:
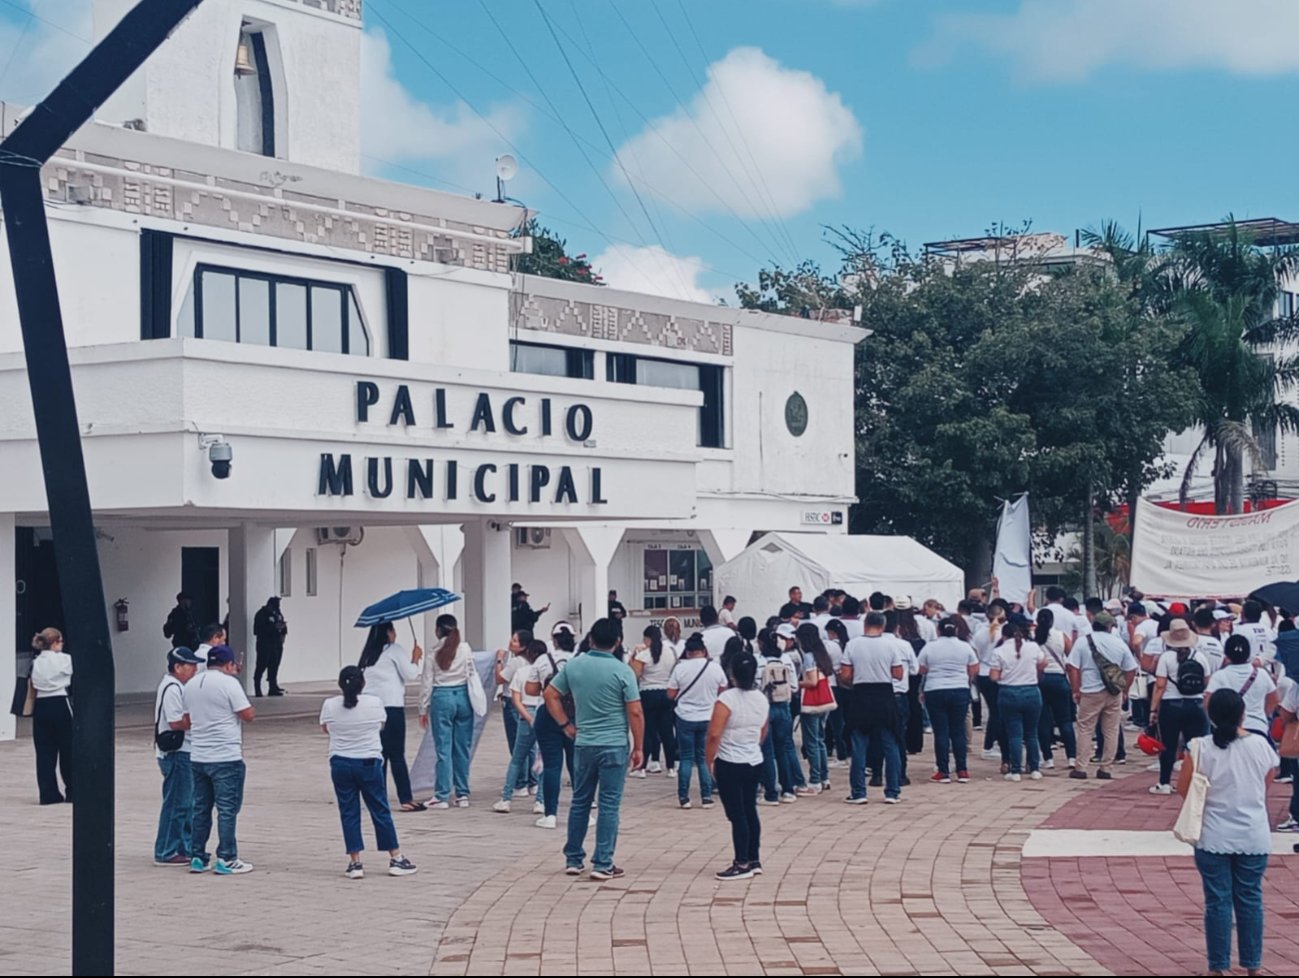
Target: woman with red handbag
x=818 y=703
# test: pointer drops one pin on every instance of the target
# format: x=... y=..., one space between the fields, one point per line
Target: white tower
x=279 y=78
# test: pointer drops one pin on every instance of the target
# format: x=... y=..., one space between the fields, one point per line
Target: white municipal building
x=403 y=410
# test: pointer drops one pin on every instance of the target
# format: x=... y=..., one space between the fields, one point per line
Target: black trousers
x=393 y=739
x=268 y=664
x=660 y=726
x=52 y=736
x=737 y=784
x=836 y=727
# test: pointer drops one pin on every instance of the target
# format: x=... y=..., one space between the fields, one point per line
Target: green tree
x=550 y=257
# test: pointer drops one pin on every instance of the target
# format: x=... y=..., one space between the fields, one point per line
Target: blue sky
x=744 y=126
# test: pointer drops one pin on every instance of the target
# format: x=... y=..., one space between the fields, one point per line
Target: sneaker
x=438 y=805
x=685 y=804
x=991 y=755
x=768 y=801
x=197 y=865
x=655 y=768
x=235 y=867
x=1073 y=762
x=962 y=777
x=892 y=801
x=825 y=785
x=520 y=792
x=1035 y=775
x=638 y=773
x=1079 y=775
x=672 y=772
x=401 y=867
x=850 y=800
x=1104 y=776
x=835 y=762
x=707 y=803
x=572 y=870
x=1121 y=760
x=1161 y=789
x=1288 y=824
x=462 y=803
x=545 y=822
x=1012 y=777
x=538 y=808
x=788 y=798
x=1096 y=759
x=736 y=872
x=355 y=871
x=503 y=807
x=612 y=873
x=1284 y=779
x=1153 y=767
x=756 y=867
x=938 y=777
x=1049 y=765
x=176 y=860
x=806 y=792
x=532 y=789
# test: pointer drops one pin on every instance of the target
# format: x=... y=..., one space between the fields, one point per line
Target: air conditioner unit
x=334 y=534
x=532 y=538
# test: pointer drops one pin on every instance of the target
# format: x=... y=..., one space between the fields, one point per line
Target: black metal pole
x=58 y=434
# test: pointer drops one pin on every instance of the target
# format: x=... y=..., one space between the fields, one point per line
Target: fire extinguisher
x=123 y=622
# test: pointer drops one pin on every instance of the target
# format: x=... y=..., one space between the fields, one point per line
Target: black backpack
x=1190 y=679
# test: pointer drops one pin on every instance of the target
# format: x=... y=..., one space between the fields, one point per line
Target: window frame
x=312 y=584
x=286 y=573
x=620 y=368
x=579 y=362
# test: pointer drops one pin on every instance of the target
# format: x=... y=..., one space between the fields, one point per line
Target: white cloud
x=1067 y=40
x=399 y=128
x=653 y=270
x=38 y=54
x=761 y=137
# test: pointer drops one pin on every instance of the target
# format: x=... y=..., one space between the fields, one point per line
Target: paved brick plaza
x=935 y=886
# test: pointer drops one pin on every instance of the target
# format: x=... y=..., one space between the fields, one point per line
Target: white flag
x=1012 y=564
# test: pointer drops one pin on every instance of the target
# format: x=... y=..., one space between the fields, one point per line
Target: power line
x=47 y=22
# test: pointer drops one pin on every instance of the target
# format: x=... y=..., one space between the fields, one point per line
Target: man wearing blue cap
x=171 y=746
x=216 y=707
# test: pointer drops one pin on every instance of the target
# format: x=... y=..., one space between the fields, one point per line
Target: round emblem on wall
x=796 y=414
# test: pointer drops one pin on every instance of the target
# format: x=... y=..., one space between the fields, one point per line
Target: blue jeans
x=1232 y=882
x=818 y=757
x=1057 y=714
x=520 y=769
x=779 y=756
x=510 y=716
x=994 y=727
x=605 y=769
x=876 y=759
x=1020 y=711
x=947 y=709
x=692 y=737
x=452 y=721
x=357 y=778
x=555 y=747
x=176 y=818
x=219 y=783
x=861 y=745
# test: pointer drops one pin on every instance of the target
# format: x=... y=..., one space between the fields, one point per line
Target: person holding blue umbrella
x=388 y=668
x=446 y=708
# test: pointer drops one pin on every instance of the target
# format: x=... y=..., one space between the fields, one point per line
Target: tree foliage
x=550 y=257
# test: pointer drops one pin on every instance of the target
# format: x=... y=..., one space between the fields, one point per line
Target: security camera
x=221 y=455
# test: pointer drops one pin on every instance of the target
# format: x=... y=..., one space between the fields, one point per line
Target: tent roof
x=866 y=558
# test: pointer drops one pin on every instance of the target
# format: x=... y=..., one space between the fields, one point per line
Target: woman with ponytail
x=1017 y=670
x=653 y=662
x=354 y=722
x=1057 y=694
x=447 y=711
x=947 y=667
x=1235 y=836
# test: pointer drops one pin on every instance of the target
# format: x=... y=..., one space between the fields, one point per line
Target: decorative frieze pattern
x=601 y=322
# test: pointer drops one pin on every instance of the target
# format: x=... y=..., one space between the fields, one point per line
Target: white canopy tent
x=760 y=577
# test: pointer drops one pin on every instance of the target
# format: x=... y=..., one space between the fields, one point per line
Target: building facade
x=400 y=407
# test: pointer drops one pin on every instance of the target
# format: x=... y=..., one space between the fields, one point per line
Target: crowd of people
x=753 y=714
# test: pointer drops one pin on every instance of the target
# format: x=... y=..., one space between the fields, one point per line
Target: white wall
x=459 y=323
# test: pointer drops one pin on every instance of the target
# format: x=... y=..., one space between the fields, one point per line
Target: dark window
x=254 y=95
x=552 y=361
x=274 y=310
x=626 y=368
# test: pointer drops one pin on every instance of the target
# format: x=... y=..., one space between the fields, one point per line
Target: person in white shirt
x=1232 y=851
x=1289 y=713
x=215 y=708
x=947 y=667
x=388 y=668
x=52 y=716
x=1261 y=634
x=447 y=710
x=696 y=682
x=1057 y=695
x=171 y=748
x=715 y=634
x=726 y=616
x=850 y=615
x=1205 y=626
x=778 y=674
x=734 y=754
x=1098 y=703
x=901 y=696
x=354 y=723
x=1252 y=682
x=552 y=744
x=527 y=706
x=1020 y=663
x=653 y=662
x=869 y=667
x=1181 y=678
x=210 y=636
x=1062 y=619
x=508 y=661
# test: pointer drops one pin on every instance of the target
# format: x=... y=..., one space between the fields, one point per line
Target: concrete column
x=8 y=617
x=486 y=561
x=252 y=581
x=594 y=547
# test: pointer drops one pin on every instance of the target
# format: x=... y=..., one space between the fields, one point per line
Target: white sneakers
x=1035 y=775
x=655 y=768
x=1013 y=777
x=503 y=807
x=545 y=822
x=1049 y=765
x=538 y=808
x=1161 y=789
x=638 y=773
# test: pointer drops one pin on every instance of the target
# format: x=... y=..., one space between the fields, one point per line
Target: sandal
x=414 y=806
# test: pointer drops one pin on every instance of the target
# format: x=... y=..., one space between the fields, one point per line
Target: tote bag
x=1190 y=823
x=820 y=698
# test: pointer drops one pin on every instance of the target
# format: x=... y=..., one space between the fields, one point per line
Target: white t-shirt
x=1056 y=660
x=388 y=677
x=908 y=654
x=873 y=658
x=513 y=664
x=542 y=669
x=820 y=621
x=213 y=701
x=655 y=675
x=696 y=694
x=519 y=684
x=715 y=638
x=1235 y=809
x=1235 y=677
x=725 y=616
x=354 y=732
x=946 y=663
x=202 y=652
x=1062 y=619
x=985 y=647
x=1167 y=668
x=742 y=737
x=168 y=707
x=1019 y=669
x=1212 y=647
x=1108 y=645
x=855 y=627
x=927 y=629
x=51 y=673
x=1260 y=635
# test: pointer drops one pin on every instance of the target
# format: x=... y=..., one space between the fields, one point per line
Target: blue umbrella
x=404 y=604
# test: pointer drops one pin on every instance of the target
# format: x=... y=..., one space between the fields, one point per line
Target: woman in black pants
x=388 y=668
x=836 y=730
x=52 y=716
x=734 y=754
x=653 y=662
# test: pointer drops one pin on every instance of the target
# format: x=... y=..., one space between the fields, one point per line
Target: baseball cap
x=1221 y=615
x=1104 y=620
x=786 y=630
x=220 y=654
x=562 y=626
x=1113 y=605
x=1136 y=608
x=183 y=656
x=1178 y=608
x=903 y=604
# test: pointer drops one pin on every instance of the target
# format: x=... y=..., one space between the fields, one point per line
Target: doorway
x=39 y=604
x=200 y=578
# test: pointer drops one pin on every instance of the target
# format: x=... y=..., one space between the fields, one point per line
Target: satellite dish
x=507 y=167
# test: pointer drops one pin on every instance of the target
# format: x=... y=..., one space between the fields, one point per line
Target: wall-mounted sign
x=796 y=414
x=822 y=517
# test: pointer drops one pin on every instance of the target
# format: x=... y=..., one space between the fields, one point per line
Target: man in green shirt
x=607 y=701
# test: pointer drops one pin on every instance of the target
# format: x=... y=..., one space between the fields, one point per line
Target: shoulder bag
x=1190 y=822
x=168 y=741
x=700 y=675
x=819 y=698
x=1111 y=672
